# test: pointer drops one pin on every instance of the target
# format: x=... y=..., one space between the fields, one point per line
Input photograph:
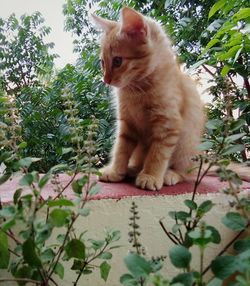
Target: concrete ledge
x=119 y=190
x=110 y=209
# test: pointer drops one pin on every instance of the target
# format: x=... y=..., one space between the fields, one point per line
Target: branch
x=247 y=86
x=208 y=70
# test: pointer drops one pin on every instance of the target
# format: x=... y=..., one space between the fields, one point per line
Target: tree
x=24 y=56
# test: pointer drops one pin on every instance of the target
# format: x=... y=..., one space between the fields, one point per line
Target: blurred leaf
x=104 y=269
x=4 y=251
x=75 y=249
x=29 y=253
x=180 y=256
x=59 y=217
x=137 y=265
x=234 y=221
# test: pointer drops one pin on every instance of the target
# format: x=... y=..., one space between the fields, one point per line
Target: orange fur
x=159 y=112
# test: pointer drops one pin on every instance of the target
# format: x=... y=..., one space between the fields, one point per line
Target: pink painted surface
x=118 y=190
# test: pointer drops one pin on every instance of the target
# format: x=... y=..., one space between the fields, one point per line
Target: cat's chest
x=137 y=115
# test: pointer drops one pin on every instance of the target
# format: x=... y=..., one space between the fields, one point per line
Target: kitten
x=159 y=112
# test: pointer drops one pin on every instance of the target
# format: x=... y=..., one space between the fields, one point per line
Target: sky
x=54 y=18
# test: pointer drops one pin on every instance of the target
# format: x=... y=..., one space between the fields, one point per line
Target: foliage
x=27 y=225
x=48 y=124
x=24 y=57
x=190 y=230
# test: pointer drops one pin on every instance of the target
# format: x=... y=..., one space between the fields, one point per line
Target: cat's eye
x=116 y=62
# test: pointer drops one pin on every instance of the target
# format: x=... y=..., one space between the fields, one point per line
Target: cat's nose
x=107 y=79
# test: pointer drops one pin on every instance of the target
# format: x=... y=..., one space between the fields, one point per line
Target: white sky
x=52 y=13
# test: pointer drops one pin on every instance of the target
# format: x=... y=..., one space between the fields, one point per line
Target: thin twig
x=66 y=186
x=168 y=234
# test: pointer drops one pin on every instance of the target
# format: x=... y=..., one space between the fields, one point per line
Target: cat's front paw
x=148 y=182
x=108 y=174
x=172 y=178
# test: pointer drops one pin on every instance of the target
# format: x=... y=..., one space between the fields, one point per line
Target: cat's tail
x=241 y=170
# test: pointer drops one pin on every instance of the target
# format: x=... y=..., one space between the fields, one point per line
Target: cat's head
x=128 y=47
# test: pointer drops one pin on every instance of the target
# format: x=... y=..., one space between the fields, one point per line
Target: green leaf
x=225 y=70
x=66 y=150
x=214 y=124
x=104 y=269
x=17 y=195
x=210 y=45
x=105 y=255
x=59 y=217
x=4 y=178
x=201 y=238
x=84 y=211
x=137 y=265
x=97 y=244
x=242 y=14
x=216 y=7
x=236 y=125
x=190 y=204
x=4 y=251
x=180 y=256
x=77 y=188
x=8 y=224
x=26 y=180
x=44 y=180
x=234 y=221
x=75 y=249
x=242 y=245
x=128 y=280
x=204 y=208
x=183 y=278
x=29 y=253
x=234 y=149
x=59 y=168
x=229 y=54
x=234 y=137
x=225 y=266
x=215 y=282
x=94 y=190
x=215 y=238
x=59 y=270
x=181 y=215
x=207 y=145
x=7 y=211
x=26 y=162
x=22 y=145
x=60 y=203
x=47 y=255
x=77 y=264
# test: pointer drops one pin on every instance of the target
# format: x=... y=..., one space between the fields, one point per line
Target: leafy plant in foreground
x=190 y=230
x=27 y=225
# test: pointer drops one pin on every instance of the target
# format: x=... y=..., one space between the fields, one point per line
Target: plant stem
x=66 y=186
x=201 y=265
x=171 y=236
x=247 y=86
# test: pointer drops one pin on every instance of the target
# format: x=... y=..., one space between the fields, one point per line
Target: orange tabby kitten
x=159 y=112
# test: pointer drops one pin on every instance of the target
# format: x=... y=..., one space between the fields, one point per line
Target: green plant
x=24 y=57
x=191 y=230
x=27 y=225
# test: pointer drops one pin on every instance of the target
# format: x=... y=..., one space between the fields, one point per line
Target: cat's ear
x=104 y=24
x=133 y=24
